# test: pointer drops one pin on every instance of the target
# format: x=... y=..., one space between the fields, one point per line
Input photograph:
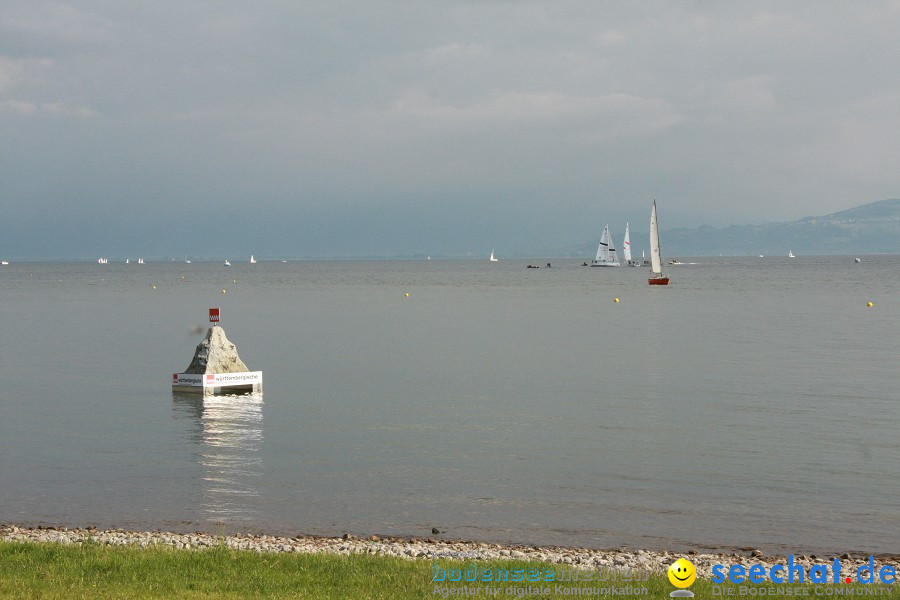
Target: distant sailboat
x=252 y=260
x=127 y=261
x=626 y=249
x=656 y=275
x=102 y=261
x=140 y=261
x=606 y=253
x=791 y=254
x=492 y=258
x=227 y=264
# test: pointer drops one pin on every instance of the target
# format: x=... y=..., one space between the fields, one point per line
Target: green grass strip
x=29 y=570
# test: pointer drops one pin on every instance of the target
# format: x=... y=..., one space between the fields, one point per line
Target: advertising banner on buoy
x=217 y=382
x=233 y=378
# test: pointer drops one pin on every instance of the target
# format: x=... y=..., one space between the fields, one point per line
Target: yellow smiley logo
x=682 y=573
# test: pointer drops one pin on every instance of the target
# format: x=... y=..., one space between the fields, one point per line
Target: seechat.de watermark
x=794 y=579
x=796 y=573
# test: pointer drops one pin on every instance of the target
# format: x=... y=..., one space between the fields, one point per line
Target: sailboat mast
x=626 y=245
x=655 y=259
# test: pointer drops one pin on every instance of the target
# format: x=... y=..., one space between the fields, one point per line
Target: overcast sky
x=367 y=127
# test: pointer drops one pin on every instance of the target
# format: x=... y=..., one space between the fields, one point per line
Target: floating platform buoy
x=869 y=304
x=216 y=367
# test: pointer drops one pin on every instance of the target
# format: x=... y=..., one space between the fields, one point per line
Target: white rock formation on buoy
x=217 y=369
x=216 y=354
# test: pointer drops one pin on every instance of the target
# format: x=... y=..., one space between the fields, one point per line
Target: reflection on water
x=230 y=437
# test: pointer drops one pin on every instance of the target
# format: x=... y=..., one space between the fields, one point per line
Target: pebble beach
x=627 y=560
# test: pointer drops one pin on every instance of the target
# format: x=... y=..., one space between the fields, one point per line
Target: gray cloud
x=540 y=120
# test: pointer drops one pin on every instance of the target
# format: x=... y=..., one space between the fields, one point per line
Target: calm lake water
x=753 y=402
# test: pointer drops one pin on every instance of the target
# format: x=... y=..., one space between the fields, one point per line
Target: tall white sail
x=626 y=245
x=603 y=248
x=606 y=252
x=655 y=260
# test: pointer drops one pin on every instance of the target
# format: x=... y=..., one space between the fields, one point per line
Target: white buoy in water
x=216 y=367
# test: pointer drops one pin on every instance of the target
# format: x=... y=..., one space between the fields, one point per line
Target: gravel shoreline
x=431 y=549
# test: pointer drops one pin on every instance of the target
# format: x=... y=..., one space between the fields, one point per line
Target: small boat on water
x=656 y=274
x=606 y=252
x=492 y=258
x=252 y=260
x=140 y=261
x=227 y=264
x=791 y=254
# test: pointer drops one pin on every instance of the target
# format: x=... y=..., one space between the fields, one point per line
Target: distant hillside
x=867 y=229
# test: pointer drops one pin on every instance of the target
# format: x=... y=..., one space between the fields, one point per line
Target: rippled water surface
x=753 y=402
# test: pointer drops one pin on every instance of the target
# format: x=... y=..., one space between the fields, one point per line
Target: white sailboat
x=492 y=258
x=626 y=249
x=252 y=260
x=227 y=264
x=656 y=275
x=140 y=261
x=606 y=253
x=791 y=254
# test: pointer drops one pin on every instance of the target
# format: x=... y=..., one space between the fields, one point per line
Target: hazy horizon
x=355 y=128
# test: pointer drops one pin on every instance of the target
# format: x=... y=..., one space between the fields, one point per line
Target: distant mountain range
x=867 y=229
